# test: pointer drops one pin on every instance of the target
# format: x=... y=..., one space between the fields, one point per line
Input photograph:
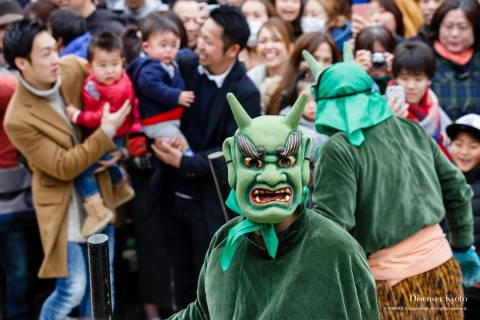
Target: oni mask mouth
x=261 y=196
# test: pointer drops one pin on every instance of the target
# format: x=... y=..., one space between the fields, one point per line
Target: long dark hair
x=296 y=24
x=391 y=6
x=310 y=42
x=290 y=95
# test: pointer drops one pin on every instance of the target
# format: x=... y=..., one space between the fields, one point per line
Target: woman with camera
x=373 y=51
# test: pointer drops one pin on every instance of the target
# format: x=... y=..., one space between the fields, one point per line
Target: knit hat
x=468 y=123
x=345 y=101
x=10 y=11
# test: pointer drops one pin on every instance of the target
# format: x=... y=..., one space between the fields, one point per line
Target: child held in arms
x=413 y=68
x=107 y=86
x=158 y=82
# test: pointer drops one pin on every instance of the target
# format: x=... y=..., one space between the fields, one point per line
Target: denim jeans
x=74 y=290
x=86 y=182
x=14 y=262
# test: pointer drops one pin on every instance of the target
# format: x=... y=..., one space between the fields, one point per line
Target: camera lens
x=378 y=61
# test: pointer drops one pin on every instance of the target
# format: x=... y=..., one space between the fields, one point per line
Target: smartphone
x=396 y=93
x=361 y=9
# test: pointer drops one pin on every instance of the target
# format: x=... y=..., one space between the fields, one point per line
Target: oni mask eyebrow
x=248 y=149
x=291 y=147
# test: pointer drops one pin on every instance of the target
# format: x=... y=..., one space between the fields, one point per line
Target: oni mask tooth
x=257 y=198
x=287 y=198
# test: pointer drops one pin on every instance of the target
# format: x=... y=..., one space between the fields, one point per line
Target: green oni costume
x=383 y=179
x=313 y=269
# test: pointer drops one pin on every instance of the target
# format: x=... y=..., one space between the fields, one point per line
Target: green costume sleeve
x=457 y=197
x=335 y=177
x=365 y=287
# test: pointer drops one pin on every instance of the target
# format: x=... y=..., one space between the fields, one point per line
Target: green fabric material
x=246 y=226
x=395 y=184
x=320 y=273
x=346 y=103
x=232 y=202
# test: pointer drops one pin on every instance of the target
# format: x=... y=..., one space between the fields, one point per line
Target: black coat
x=213 y=129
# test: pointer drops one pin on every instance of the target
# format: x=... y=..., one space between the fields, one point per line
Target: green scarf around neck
x=247 y=226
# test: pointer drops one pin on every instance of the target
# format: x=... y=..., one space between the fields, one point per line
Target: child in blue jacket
x=158 y=83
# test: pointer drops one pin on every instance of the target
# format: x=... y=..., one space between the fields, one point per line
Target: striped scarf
x=427 y=114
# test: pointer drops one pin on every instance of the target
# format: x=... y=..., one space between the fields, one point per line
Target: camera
x=378 y=61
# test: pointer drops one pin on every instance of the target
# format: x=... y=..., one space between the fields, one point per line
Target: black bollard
x=99 y=277
x=219 y=170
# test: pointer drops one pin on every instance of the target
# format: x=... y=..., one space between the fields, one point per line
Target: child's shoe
x=122 y=193
x=98 y=216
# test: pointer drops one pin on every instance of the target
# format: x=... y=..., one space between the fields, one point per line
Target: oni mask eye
x=287 y=162
x=252 y=163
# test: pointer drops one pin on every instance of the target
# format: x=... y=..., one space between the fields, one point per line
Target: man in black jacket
x=194 y=211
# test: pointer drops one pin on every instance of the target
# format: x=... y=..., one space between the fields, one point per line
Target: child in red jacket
x=106 y=83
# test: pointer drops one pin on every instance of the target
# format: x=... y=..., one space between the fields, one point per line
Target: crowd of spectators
x=137 y=88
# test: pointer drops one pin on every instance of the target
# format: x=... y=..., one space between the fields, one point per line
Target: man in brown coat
x=37 y=125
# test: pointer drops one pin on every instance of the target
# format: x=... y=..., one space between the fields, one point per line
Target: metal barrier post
x=99 y=277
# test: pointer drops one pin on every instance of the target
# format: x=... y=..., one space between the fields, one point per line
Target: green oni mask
x=268 y=163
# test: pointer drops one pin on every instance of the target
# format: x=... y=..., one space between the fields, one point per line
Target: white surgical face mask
x=312 y=24
x=254 y=28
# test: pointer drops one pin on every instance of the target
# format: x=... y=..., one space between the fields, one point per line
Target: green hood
x=345 y=101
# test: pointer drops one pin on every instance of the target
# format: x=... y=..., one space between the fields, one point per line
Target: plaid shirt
x=458 y=87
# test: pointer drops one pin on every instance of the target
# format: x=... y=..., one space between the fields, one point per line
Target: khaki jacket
x=44 y=138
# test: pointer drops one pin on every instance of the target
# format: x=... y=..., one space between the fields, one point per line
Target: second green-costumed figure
x=385 y=181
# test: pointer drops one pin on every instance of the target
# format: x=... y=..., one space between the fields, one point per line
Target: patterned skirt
x=436 y=294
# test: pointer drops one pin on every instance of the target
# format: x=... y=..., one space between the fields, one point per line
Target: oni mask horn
x=295 y=114
x=242 y=118
x=315 y=67
x=348 y=53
